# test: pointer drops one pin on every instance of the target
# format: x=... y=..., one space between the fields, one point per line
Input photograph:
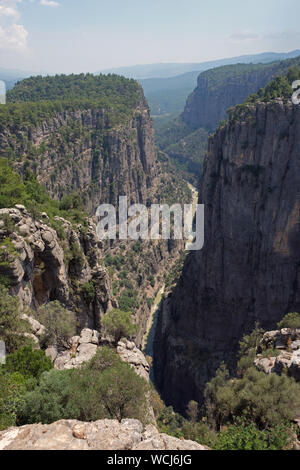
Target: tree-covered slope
x=37 y=98
x=80 y=133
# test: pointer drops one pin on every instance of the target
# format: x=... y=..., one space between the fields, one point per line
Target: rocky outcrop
x=248 y=270
x=41 y=267
x=84 y=347
x=284 y=355
x=129 y=353
x=99 y=435
x=223 y=87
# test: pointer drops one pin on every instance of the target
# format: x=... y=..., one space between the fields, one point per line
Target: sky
x=64 y=36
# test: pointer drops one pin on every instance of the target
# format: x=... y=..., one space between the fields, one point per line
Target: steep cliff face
x=80 y=151
x=248 y=270
x=224 y=87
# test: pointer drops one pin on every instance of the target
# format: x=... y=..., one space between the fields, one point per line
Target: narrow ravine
x=148 y=340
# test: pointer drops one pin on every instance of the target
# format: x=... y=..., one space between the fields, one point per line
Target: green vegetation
x=12 y=389
x=113 y=389
x=60 y=324
x=248 y=411
x=13 y=190
x=279 y=87
x=20 y=374
x=291 y=320
x=38 y=98
x=12 y=326
x=89 y=292
x=247 y=437
x=118 y=324
x=28 y=362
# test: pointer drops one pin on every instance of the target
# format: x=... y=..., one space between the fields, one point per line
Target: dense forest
x=38 y=98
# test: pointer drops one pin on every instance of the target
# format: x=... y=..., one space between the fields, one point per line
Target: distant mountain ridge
x=167 y=70
x=11 y=76
x=167 y=86
x=217 y=90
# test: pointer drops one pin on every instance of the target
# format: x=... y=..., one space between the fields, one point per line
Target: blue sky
x=90 y=35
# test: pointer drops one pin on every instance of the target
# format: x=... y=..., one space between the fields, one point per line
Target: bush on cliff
x=118 y=324
x=111 y=390
x=265 y=400
x=28 y=192
x=12 y=390
x=59 y=322
x=291 y=320
x=28 y=362
x=12 y=326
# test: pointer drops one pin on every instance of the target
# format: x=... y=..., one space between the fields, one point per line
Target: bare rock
x=99 y=435
x=129 y=353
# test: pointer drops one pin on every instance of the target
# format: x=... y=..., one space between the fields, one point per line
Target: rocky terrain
x=284 y=355
x=41 y=267
x=84 y=347
x=100 y=435
x=248 y=270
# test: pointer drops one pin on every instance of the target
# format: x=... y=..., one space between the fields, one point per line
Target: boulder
x=129 y=353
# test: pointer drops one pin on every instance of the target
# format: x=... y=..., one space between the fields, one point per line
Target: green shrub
x=89 y=292
x=28 y=362
x=50 y=401
x=59 y=322
x=104 y=359
x=118 y=324
x=265 y=400
x=248 y=437
x=12 y=390
x=12 y=327
x=291 y=320
x=104 y=388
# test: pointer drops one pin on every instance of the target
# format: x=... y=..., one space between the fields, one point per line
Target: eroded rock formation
x=41 y=267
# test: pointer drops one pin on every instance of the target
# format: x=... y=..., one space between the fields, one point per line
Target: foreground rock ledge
x=100 y=435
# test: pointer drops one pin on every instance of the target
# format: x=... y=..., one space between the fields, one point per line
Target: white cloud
x=13 y=35
x=49 y=3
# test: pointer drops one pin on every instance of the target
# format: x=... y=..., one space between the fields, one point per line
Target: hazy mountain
x=168 y=95
x=167 y=70
x=10 y=77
